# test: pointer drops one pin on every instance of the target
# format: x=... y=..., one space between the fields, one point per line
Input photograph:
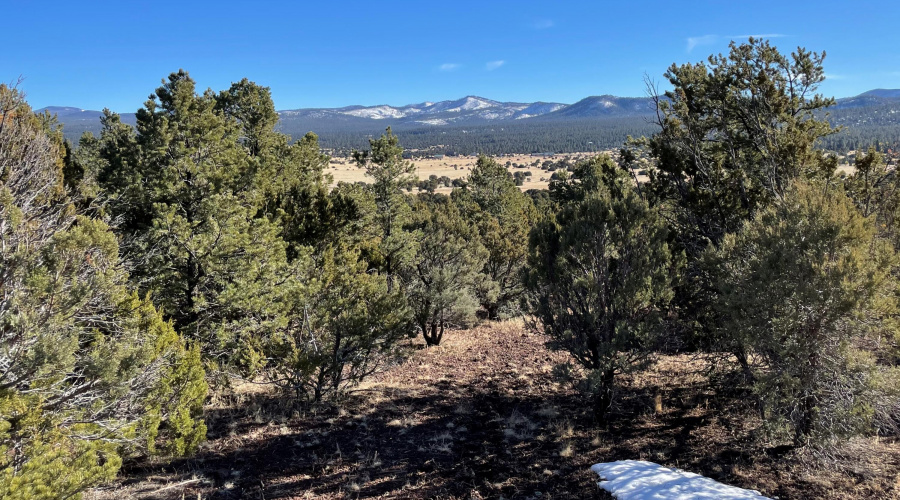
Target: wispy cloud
x=449 y=67
x=696 y=41
x=492 y=65
x=542 y=24
x=835 y=76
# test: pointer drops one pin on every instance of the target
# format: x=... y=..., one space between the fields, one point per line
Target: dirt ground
x=486 y=415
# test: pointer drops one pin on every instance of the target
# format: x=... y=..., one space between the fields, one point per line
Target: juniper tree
x=503 y=215
x=600 y=275
x=441 y=280
x=805 y=289
x=344 y=325
x=89 y=371
x=875 y=189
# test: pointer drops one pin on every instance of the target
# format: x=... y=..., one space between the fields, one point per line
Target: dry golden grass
x=457 y=167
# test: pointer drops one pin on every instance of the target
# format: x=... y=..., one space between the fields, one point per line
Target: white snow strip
x=639 y=480
x=433 y=121
x=376 y=112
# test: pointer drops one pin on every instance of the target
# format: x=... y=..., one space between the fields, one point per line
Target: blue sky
x=99 y=54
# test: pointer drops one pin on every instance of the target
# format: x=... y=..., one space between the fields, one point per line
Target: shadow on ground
x=480 y=417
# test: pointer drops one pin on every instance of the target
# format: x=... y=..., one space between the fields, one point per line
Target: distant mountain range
x=477 y=110
x=881 y=105
x=470 y=110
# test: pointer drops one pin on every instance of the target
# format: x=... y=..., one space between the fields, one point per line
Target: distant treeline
x=876 y=122
x=873 y=124
x=535 y=137
x=859 y=130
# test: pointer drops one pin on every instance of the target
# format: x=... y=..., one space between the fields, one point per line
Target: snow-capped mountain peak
x=466 y=110
x=377 y=112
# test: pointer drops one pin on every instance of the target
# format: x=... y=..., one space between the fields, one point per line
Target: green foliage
x=221 y=214
x=441 y=280
x=600 y=275
x=735 y=133
x=344 y=325
x=875 y=190
x=804 y=288
x=391 y=176
x=309 y=214
x=289 y=177
x=191 y=186
x=90 y=372
x=252 y=107
x=503 y=216
x=41 y=462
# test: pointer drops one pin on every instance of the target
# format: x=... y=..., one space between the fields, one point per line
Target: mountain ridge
x=473 y=108
x=877 y=107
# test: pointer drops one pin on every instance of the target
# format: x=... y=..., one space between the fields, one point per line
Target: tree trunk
x=603 y=398
x=433 y=337
x=804 y=423
x=320 y=384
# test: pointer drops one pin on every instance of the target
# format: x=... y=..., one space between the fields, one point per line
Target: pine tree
x=189 y=189
x=391 y=176
x=504 y=216
x=735 y=132
x=252 y=107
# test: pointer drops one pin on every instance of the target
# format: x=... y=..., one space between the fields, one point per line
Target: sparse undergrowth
x=484 y=416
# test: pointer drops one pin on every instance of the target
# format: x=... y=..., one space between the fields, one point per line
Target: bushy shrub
x=804 y=291
x=600 y=275
x=89 y=372
x=344 y=325
x=441 y=281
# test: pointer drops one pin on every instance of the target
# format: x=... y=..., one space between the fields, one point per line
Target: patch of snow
x=433 y=121
x=466 y=104
x=376 y=112
x=640 y=480
x=538 y=109
x=472 y=103
x=495 y=114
